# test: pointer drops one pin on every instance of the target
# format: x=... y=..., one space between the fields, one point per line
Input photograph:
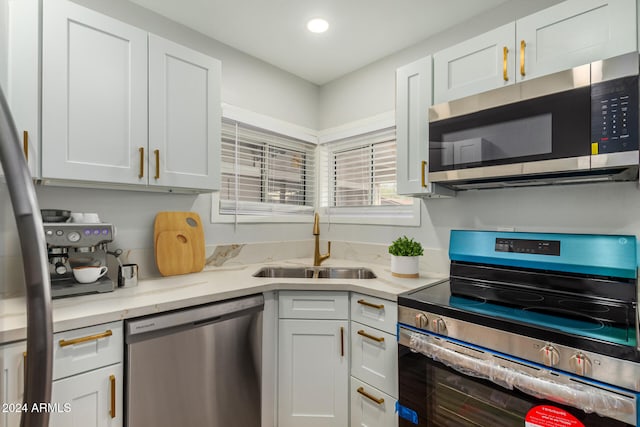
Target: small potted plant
x=404 y=257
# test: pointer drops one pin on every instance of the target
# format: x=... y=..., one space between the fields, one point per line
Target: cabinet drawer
x=81 y=350
x=375 y=312
x=370 y=407
x=313 y=305
x=374 y=358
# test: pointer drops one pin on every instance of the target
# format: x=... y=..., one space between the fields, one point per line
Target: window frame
x=286 y=129
x=401 y=215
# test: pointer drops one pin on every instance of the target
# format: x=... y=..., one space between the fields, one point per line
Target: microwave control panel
x=614 y=115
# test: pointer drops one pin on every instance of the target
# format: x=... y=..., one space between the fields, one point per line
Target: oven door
x=447 y=383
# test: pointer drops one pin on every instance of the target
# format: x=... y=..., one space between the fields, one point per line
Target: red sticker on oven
x=550 y=416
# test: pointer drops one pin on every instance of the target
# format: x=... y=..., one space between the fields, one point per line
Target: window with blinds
x=363 y=171
x=264 y=173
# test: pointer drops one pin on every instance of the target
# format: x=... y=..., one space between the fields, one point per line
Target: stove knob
x=422 y=321
x=438 y=326
x=580 y=364
x=550 y=355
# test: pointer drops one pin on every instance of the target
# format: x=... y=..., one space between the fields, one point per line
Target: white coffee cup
x=89 y=273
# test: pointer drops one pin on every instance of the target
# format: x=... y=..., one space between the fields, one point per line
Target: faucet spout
x=317 y=256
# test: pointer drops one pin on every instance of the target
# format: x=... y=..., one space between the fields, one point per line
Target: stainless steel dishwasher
x=196 y=367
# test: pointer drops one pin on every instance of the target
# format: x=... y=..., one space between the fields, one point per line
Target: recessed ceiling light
x=317 y=25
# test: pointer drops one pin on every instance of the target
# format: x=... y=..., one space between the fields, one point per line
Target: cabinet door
x=92 y=399
x=572 y=33
x=313 y=371
x=19 y=77
x=94 y=95
x=413 y=99
x=12 y=358
x=370 y=407
x=184 y=117
x=476 y=65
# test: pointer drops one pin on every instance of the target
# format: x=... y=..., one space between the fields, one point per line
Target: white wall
x=371 y=90
x=592 y=208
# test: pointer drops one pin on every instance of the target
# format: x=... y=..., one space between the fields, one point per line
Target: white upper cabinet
x=476 y=65
x=184 y=116
x=573 y=33
x=94 y=95
x=19 y=73
x=123 y=107
x=569 y=34
x=413 y=99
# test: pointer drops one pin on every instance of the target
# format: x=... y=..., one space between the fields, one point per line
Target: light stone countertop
x=213 y=284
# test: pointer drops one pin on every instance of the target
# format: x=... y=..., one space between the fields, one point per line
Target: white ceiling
x=360 y=31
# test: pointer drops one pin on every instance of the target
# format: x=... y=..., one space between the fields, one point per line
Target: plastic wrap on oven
x=578 y=395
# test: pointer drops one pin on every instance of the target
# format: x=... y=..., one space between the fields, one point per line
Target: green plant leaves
x=404 y=246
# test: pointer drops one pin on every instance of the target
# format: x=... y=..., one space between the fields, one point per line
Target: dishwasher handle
x=192 y=317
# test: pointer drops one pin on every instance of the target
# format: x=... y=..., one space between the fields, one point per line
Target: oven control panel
x=527 y=246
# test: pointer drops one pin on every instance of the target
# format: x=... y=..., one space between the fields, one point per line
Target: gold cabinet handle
x=423 y=165
x=378 y=400
x=112 y=411
x=141 y=172
x=522 y=46
x=157 y=154
x=25 y=144
x=24 y=368
x=65 y=343
x=371 y=337
x=341 y=341
x=370 y=304
x=505 y=74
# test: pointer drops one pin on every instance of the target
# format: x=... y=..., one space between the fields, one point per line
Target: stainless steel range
x=531 y=329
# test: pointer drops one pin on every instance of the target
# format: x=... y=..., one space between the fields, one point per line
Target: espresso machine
x=71 y=245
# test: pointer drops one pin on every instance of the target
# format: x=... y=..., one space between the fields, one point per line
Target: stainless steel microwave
x=578 y=125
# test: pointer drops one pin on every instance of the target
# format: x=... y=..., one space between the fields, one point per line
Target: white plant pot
x=405 y=266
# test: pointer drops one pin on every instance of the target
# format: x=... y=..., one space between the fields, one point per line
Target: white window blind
x=362 y=171
x=264 y=173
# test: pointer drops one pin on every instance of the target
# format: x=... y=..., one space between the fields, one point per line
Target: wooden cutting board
x=178 y=243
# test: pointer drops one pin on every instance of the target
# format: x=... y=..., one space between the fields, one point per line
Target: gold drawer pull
x=141 y=172
x=505 y=74
x=522 y=46
x=65 y=343
x=25 y=144
x=423 y=166
x=341 y=341
x=370 y=304
x=112 y=381
x=378 y=400
x=157 y=154
x=371 y=337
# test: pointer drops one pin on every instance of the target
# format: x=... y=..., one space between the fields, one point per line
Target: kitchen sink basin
x=316 y=272
x=285 y=272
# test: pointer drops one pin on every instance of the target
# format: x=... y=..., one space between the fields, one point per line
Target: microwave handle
x=578 y=395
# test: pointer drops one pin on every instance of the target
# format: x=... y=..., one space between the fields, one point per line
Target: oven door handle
x=577 y=394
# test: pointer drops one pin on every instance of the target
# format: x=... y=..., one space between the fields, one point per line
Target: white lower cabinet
x=12 y=358
x=91 y=399
x=370 y=407
x=313 y=361
x=374 y=362
x=87 y=377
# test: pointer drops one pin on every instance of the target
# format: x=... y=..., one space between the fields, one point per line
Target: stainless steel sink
x=345 y=273
x=316 y=272
x=285 y=272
